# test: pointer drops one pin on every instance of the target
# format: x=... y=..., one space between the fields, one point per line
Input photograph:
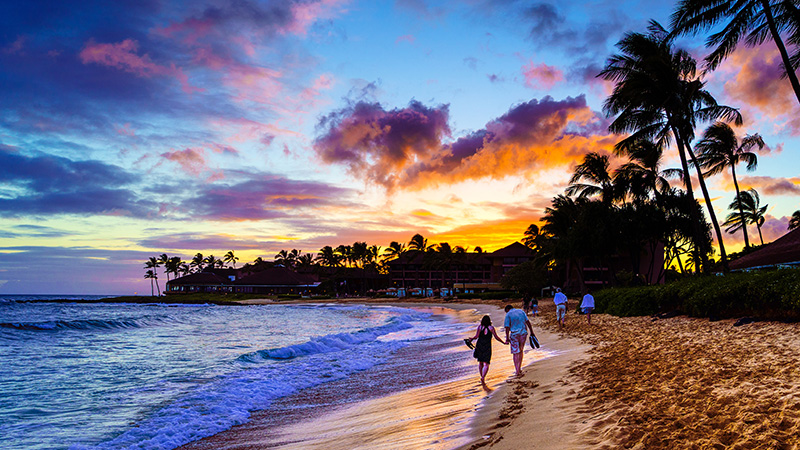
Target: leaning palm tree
x=747 y=209
x=197 y=262
x=756 y=213
x=794 y=222
x=658 y=97
x=753 y=21
x=720 y=149
x=595 y=171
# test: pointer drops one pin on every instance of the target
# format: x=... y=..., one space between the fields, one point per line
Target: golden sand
x=645 y=383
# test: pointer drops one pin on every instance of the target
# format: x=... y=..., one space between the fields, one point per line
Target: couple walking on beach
x=516 y=325
x=587 y=307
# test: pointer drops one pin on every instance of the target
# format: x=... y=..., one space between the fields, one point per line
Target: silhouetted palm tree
x=720 y=149
x=393 y=251
x=150 y=275
x=747 y=210
x=750 y=20
x=327 y=256
x=794 y=222
x=595 y=170
x=657 y=97
x=643 y=175
x=153 y=264
x=197 y=262
x=230 y=258
x=418 y=243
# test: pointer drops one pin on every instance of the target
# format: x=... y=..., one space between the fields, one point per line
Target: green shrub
x=770 y=295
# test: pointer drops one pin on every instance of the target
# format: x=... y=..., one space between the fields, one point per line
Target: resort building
x=782 y=252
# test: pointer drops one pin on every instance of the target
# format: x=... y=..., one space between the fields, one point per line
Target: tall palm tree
x=163 y=259
x=345 y=253
x=173 y=266
x=150 y=275
x=595 y=170
x=530 y=235
x=393 y=251
x=153 y=264
x=750 y=20
x=794 y=222
x=657 y=96
x=720 y=149
x=211 y=261
x=287 y=259
x=305 y=260
x=230 y=258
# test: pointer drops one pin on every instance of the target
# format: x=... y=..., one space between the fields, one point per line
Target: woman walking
x=483 y=348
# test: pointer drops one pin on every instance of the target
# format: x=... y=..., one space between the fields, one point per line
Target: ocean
x=78 y=376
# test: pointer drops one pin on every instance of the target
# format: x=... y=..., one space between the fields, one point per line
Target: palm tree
x=287 y=259
x=151 y=275
x=794 y=222
x=346 y=254
x=153 y=264
x=197 y=262
x=593 y=169
x=530 y=235
x=163 y=259
x=230 y=258
x=327 y=256
x=212 y=261
x=720 y=149
x=418 y=243
x=305 y=260
x=658 y=97
x=173 y=266
x=642 y=175
x=747 y=210
x=393 y=251
x=750 y=20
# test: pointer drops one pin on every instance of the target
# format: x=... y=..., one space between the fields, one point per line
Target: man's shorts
x=514 y=340
x=561 y=311
x=588 y=310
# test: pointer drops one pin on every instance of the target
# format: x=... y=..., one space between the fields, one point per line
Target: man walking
x=587 y=305
x=561 y=307
x=517 y=326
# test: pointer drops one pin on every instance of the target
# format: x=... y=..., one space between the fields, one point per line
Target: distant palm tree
x=720 y=149
x=230 y=258
x=211 y=261
x=163 y=259
x=153 y=265
x=328 y=257
x=173 y=266
x=794 y=222
x=750 y=20
x=287 y=259
x=346 y=254
x=418 y=243
x=305 y=260
x=393 y=251
x=151 y=275
x=197 y=262
x=478 y=250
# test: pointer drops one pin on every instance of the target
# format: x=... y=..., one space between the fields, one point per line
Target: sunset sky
x=134 y=128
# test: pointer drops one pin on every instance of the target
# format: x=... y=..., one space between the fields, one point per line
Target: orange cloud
x=406 y=148
x=772 y=186
x=191 y=160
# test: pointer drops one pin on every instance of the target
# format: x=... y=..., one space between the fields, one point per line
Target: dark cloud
x=370 y=139
x=45 y=184
x=263 y=197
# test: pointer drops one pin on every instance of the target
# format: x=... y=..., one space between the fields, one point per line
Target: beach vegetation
x=771 y=295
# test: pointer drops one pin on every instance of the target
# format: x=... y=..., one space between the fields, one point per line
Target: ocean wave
x=228 y=400
x=332 y=342
x=85 y=324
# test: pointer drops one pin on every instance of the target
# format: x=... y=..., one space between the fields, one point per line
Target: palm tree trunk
x=717 y=230
x=687 y=181
x=741 y=210
x=759 y=233
x=782 y=49
x=158 y=288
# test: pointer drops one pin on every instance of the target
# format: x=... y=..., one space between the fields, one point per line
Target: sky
x=134 y=128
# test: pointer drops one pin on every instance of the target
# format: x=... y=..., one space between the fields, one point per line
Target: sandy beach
x=645 y=383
